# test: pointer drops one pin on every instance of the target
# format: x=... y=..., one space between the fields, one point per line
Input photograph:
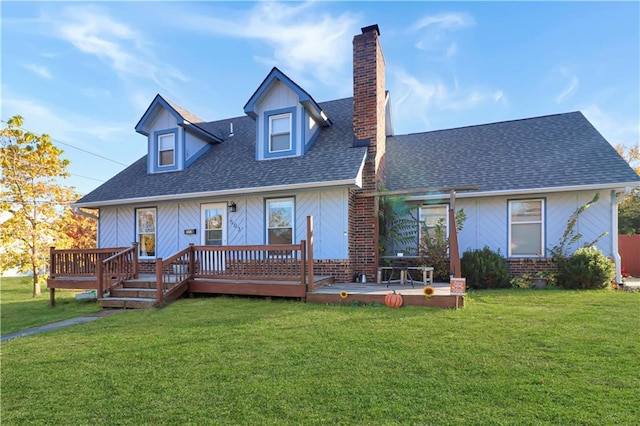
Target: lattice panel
x=126 y=227
x=331 y=242
x=108 y=232
x=188 y=218
x=166 y=232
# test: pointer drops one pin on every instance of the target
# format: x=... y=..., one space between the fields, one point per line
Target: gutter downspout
x=83 y=213
x=615 y=200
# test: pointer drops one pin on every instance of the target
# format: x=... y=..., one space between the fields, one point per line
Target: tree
x=397 y=225
x=629 y=208
x=31 y=196
x=75 y=230
x=434 y=245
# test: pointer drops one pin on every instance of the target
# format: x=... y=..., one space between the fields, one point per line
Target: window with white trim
x=526 y=228
x=280 y=133
x=166 y=149
x=146 y=232
x=280 y=217
x=431 y=216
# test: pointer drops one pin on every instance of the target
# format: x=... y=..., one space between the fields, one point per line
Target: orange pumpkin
x=393 y=300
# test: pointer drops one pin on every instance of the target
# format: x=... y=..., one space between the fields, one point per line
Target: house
x=253 y=179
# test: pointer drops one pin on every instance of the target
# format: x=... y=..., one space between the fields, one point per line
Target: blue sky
x=86 y=72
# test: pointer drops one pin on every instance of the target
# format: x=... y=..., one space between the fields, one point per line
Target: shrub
x=522 y=281
x=485 y=269
x=434 y=246
x=588 y=268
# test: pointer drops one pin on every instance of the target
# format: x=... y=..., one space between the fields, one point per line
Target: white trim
x=160 y=150
x=155 y=231
x=268 y=202
x=203 y=227
x=476 y=194
x=430 y=206
x=541 y=222
x=615 y=253
x=227 y=192
x=271 y=133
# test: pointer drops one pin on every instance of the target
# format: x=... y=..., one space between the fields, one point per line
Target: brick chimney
x=368 y=130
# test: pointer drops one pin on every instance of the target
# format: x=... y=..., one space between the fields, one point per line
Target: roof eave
x=228 y=192
x=530 y=191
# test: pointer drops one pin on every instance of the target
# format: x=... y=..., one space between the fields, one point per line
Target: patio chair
x=401 y=266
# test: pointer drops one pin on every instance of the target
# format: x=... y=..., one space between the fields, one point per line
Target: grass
x=510 y=357
x=20 y=310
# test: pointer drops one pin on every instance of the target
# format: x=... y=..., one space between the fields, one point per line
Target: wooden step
x=127 y=302
x=139 y=283
x=134 y=292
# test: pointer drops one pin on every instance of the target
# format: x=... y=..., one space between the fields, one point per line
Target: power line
x=31 y=163
x=75 y=147
x=87 y=177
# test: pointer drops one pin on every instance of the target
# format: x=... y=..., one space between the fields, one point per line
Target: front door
x=214 y=224
x=214 y=233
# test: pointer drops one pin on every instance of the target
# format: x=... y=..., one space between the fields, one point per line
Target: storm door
x=214 y=233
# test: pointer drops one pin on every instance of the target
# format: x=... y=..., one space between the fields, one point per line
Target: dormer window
x=166 y=150
x=280 y=133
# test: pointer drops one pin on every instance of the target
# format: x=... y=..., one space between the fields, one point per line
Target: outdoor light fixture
x=232 y=207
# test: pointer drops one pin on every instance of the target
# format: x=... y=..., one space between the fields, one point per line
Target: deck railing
x=117 y=268
x=77 y=262
x=173 y=274
x=286 y=262
x=281 y=262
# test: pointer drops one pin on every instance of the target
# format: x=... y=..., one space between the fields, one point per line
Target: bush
x=485 y=269
x=588 y=268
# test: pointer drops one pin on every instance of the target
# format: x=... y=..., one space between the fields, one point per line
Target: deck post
x=303 y=275
x=454 y=252
x=159 y=283
x=310 y=271
x=192 y=261
x=135 y=259
x=100 y=277
x=52 y=297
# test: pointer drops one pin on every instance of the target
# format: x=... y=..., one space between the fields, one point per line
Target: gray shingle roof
x=231 y=165
x=542 y=152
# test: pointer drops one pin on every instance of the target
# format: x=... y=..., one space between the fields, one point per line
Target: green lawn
x=510 y=357
x=20 y=310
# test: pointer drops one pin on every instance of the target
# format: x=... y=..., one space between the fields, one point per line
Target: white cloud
x=571 y=89
x=434 y=31
x=61 y=124
x=303 y=41
x=40 y=70
x=614 y=128
x=91 y=30
x=416 y=102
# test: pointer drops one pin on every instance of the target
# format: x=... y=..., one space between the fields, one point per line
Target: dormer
x=175 y=137
x=288 y=119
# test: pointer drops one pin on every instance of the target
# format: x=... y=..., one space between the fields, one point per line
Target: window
x=166 y=149
x=280 y=133
x=526 y=228
x=430 y=216
x=280 y=216
x=214 y=219
x=146 y=231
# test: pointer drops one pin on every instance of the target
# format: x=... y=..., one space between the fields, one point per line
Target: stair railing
x=173 y=274
x=115 y=269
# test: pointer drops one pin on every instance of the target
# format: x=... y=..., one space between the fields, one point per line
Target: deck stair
x=132 y=294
